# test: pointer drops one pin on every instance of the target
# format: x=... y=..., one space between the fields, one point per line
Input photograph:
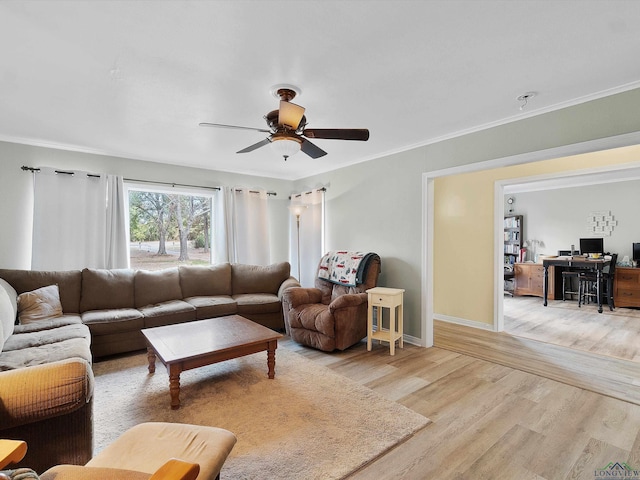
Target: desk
x=575 y=262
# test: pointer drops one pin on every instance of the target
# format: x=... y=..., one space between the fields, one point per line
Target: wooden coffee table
x=188 y=345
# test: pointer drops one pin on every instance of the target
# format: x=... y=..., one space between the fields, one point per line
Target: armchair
x=329 y=316
x=147 y=451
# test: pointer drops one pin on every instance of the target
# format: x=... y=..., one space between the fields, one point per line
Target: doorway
x=564 y=323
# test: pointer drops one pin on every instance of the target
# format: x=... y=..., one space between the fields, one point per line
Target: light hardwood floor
x=612 y=333
x=490 y=421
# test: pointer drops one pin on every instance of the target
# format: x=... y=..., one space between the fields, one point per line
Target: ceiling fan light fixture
x=285 y=146
x=290 y=114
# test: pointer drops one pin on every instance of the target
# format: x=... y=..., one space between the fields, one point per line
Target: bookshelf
x=512 y=238
x=512 y=244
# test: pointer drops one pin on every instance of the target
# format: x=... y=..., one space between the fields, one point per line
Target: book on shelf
x=511 y=222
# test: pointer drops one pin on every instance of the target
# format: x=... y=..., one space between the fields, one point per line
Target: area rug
x=307 y=423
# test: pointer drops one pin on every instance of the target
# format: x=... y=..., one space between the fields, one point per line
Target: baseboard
x=413 y=340
x=464 y=322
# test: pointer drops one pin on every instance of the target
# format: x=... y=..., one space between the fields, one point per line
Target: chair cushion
x=315 y=317
x=133 y=450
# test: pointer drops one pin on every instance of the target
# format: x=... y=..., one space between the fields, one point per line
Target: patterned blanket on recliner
x=343 y=267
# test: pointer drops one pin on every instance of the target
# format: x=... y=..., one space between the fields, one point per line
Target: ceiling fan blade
x=255 y=146
x=221 y=125
x=337 y=133
x=311 y=149
x=290 y=114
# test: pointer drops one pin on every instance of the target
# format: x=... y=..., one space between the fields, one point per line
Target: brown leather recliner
x=329 y=316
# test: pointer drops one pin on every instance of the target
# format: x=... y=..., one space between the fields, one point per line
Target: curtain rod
x=321 y=189
x=34 y=170
x=169 y=183
x=172 y=184
x=256 y=191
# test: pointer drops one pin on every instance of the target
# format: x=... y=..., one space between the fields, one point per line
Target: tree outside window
x=169 y=229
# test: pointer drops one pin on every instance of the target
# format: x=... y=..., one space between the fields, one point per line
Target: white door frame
x=428 y=202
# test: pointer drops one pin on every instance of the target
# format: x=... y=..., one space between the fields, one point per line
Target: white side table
x=391 y=298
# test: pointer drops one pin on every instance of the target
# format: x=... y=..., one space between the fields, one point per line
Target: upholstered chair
x=330 y=316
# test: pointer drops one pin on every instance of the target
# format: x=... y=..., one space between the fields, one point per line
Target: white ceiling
x=135 y=78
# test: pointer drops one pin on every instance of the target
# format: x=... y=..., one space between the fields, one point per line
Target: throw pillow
x=39 y=304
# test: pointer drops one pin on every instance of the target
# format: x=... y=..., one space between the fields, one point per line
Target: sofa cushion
x=258 y=278
x=203 y=281
x=213 y=306
x=49 y=324
x=107 y=289
x=257 y=303
x=104 y=322
x=167 y=313
x=38 y=338
x=153 y=287
x=69 y=284
x=40 y=304
x=28 y=357
x=8 y=310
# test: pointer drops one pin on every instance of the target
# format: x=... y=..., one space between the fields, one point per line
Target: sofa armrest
x=44 y=391
x=297 y=296
x=348 y=300
x=290 y=282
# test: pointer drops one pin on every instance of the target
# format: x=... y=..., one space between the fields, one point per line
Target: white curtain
x=78 y=221
x=309 y=236
x=222 y=240
x=244 y=217
x=116 y=224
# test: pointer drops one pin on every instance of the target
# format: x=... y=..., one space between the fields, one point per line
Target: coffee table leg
x=151 y=356
x=174 y=386
x=271 y=358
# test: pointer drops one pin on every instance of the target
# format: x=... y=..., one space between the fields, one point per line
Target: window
x=167 y=229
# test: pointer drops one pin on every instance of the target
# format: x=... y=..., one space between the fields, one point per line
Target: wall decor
x=601 y=223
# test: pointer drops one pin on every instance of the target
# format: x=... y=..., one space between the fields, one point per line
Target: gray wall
x=16 y=192
x=376 y=205
x=558 y=217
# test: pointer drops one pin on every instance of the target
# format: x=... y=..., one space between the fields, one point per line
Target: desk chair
x=587 y=282
x=569 y=275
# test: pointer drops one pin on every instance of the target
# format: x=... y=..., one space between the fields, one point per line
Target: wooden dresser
x=626 y=287
x=529 y=277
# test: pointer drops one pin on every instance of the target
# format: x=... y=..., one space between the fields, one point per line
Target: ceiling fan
x=288 y=130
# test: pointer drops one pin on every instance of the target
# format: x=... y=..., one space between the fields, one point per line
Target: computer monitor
x=636 y=253
x=591 y=245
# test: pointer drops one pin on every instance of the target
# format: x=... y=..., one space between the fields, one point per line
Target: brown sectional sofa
x=49 y=404
x=117 y=304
